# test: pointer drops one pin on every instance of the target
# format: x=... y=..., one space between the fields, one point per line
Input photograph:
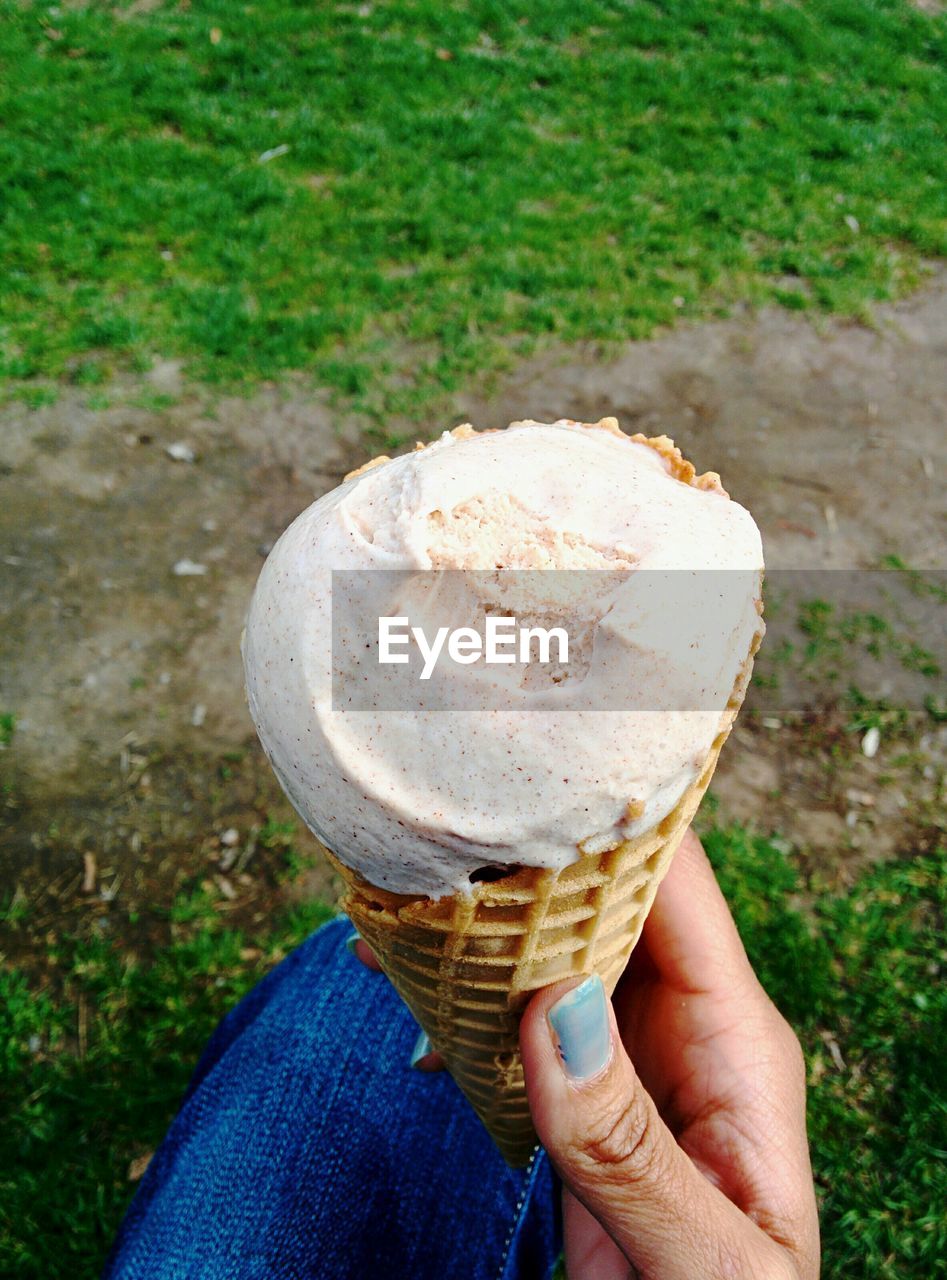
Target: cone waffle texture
x=467 y=964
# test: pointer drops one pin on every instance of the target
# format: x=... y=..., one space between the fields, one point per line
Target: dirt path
x=126 y=573
x=834 y=436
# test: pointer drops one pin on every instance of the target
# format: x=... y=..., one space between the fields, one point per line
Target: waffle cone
x=467 y=964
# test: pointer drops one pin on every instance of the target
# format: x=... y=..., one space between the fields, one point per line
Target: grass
x=829 y=643
x=863 y=971
x=391 y=197
x=89 y=1077
x=829 y=634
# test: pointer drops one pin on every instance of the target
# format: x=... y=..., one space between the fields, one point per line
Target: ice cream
x=420 y=800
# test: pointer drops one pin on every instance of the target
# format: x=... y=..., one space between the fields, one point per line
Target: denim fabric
x=307 y=1147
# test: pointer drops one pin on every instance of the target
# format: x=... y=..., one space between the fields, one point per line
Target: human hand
x=693 y=1163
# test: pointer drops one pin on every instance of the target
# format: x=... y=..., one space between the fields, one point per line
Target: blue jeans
x=306 y=1146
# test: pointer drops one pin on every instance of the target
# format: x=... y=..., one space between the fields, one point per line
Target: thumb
x=614 y=1152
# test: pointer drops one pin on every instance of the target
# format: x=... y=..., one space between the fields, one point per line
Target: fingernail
x=350 y=942
x=580 y=1021
x=422 y=1047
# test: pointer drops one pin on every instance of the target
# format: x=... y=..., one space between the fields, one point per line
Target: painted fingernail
x=580 y=1021
x=350 y=942
x=422 y=1047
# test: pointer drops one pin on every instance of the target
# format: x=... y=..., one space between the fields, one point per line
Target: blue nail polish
x=422 y=1047
x=350 y=942
x=580 y=1021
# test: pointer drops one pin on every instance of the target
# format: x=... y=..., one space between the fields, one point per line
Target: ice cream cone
x=423 y=810
x=466 y=964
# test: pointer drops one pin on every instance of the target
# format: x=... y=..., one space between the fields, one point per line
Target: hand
x=691 y=1164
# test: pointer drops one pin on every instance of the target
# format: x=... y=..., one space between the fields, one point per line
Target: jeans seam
x=520 y=1209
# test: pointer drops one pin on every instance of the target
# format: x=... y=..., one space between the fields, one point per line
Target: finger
x=690 y=935
x=590 y=1252
x=753 y=1117
x=424 y=1057
x=430 y=1062
x=367 y=956
x=613 y=1151
x=362 y=951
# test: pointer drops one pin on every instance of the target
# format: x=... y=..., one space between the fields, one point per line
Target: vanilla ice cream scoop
x=658 y=589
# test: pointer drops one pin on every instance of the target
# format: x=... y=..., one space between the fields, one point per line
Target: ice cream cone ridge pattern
x=467 y=964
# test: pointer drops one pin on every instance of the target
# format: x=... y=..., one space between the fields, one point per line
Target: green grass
x=90 y=1078
x=830 y=634
x=865 y=969
x=832 y=643
x=369 y=191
